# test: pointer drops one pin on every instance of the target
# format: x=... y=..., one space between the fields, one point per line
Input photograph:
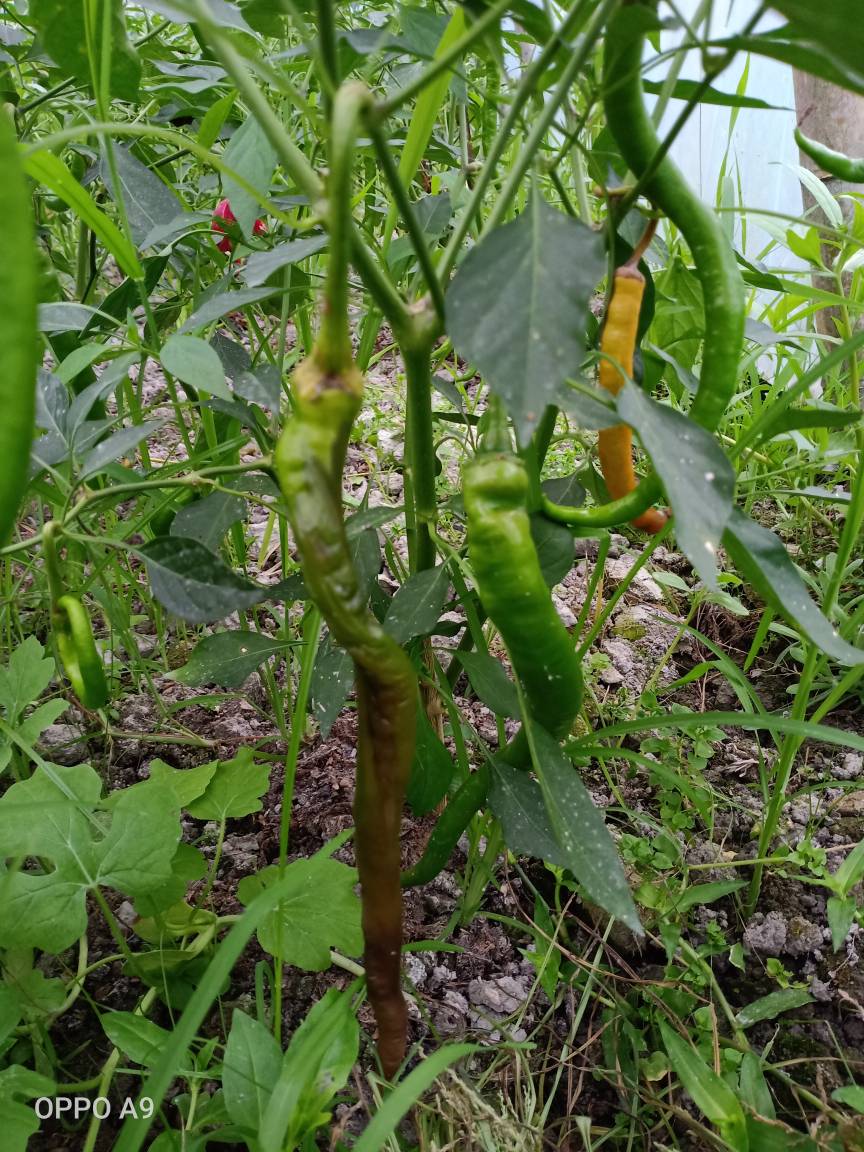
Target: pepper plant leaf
x=699 y=480
x=519 y=306
x=761 y=559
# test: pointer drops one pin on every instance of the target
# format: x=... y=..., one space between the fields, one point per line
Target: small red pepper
x=223 y=211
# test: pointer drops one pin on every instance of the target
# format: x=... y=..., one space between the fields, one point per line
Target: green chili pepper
x=309 y=459
x=514 y=594
x=716 y=267
x=18 y=332
x=834 y=163
x=81 y=660
x=469 y=797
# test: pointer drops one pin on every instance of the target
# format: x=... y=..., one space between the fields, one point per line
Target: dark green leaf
x=150 y=203
x=491 y=683
x=227 y=659
x=195 y=584
x=261 y=265
x=208 y=519
x=698 y=478
x=220 y=305
x=417 y=606
x=762 y=560
x=332 y=680
x=518 y=308
x=554 y=544
x=573 y=828
x=687 y=89
x=431 y=769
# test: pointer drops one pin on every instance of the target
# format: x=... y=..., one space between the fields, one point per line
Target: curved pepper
x=81 y=660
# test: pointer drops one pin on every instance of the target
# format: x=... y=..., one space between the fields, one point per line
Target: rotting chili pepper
x=515 y=596
x=18 y=330
x=81 y=660
x=468 y=798
x=615 y=445
x=222 y=211
x=664 y=184
x=309 y=459
x=834 y=163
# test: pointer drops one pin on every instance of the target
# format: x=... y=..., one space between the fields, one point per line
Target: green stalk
x=572 y=22
x=420 y=452
x=312 y=630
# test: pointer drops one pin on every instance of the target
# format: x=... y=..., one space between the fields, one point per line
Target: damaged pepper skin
x=309 y=462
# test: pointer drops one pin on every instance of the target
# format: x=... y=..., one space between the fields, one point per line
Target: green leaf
x=699 y=480
x=48 y=169
x=194 y=583
x=711 y=1095
x=250 y=1071
x=250 y=154
x=835 y=27
x=120 y=444
x=19 y=1121
x=841 y=916
x=431 y=769
x=220 y=305
x=332 y=680
x=707 y=893
x=417 y=606
x=52 y=817
x=187 y=866
x=193 y=361
x=320 y=910
x=62 y=30
x=850 y=871
x=688 y=89
x=770 y=1006
x=25 y=677
x=207 y=520
x=572 y=835
x=762 y=560
x=235 y=789
x=754 y=1087
x=227 y=658
x=792 y=419
x=316 y=1067
x=150 y=203
x=554 y=545
x=494 y=687
x=519 y=306
x=261 y=265
x=187 y=784
x=138 y=1038
x=10 y=1011
x=851 y=1095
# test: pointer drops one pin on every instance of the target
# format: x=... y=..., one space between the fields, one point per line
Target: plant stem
x=312 y=632
x=420 y=452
